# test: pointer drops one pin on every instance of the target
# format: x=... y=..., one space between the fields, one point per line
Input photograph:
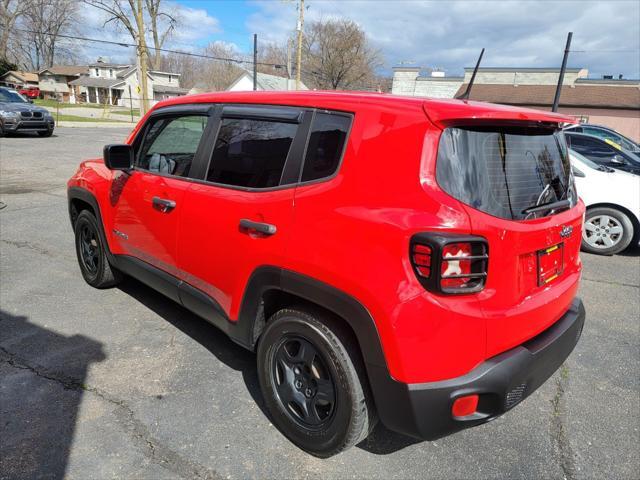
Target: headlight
x=8 y=114
x=48 y=114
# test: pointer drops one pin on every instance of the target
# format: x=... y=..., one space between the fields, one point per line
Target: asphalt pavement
x=123 y=383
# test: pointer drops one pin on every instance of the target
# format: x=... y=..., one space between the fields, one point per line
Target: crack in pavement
x=607 y=282
x=29 y=245
x=149 y=446
x=558 y=428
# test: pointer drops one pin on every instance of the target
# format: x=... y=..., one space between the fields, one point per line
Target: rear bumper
x=424 y=410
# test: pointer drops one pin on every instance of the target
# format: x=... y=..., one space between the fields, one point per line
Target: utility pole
x=255 y=62
x=299 y=53
x=556 y=99
x=141 y=59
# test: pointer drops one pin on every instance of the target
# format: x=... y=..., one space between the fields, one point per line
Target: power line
x=165 y=50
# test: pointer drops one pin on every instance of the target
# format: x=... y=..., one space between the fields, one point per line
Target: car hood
x=21 y=107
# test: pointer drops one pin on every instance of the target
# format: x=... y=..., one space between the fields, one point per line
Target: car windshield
x=11 y=96
x=584 y=160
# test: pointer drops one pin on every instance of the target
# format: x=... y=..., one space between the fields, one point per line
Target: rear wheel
x=92 y=255
x=313 y=382
x=607 y=231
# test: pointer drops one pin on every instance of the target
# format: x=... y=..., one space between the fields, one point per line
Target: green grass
x=74 y=118
x=111 y=108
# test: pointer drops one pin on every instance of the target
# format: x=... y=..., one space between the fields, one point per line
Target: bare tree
x=218 y=74
x=10 y=13
x=162 y=24
x=45 y=21
x=338 y=55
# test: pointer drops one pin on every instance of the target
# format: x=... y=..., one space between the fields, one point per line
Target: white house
x=118 y=84
x=54 y=81
x=265 y=82
x=408 y=81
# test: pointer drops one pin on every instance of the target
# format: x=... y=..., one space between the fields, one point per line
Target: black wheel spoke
x=303 y=382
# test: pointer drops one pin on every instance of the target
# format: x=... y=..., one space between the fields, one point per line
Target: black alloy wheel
x=89 y=249
x=303 y=383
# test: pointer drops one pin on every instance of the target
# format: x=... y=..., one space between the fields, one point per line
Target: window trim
x=351 y=117
x=171 y=112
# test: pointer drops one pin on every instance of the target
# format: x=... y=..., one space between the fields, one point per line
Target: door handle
x=264 y=228
x=163 y=205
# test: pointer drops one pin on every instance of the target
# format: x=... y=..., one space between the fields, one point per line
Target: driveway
x=123 y=383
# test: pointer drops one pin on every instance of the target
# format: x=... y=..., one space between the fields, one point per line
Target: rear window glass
x=326 y=143
x=503 y=171
x=250 y=153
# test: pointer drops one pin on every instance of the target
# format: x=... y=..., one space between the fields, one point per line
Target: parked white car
x=612 y=198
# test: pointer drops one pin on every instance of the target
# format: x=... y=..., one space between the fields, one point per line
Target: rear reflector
x=464 y=406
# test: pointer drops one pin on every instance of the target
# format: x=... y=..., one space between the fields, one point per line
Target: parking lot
x=125 y=383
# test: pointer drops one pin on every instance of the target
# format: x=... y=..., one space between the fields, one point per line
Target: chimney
x=620 y=77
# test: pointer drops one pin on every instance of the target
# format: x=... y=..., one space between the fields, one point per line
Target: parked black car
x=602 y=152
x=17 y=114
x=605 y=133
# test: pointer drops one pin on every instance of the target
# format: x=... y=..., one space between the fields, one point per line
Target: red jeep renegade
x=405 y=259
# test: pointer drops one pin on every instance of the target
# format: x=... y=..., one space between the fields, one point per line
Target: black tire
x=598 y=233
x=91 y=253
x=337 y=416
x=48 y=133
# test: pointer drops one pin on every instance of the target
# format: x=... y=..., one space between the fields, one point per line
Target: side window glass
x=170 y=144
x=250 y=153
x=326 y=143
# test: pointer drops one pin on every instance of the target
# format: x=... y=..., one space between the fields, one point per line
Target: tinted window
x=503 y=171
x=326 y=143
x=171 y=143
x=250 y=153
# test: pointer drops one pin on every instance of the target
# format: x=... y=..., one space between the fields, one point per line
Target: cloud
x=450 y=34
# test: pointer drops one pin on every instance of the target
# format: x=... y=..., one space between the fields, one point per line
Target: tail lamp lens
x=450 y=264
x=421 y=256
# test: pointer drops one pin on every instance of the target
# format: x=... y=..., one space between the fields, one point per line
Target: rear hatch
x=514 y=179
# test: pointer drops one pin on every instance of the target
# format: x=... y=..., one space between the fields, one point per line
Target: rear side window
x=170 y=144
x=250 y=153
x=326 y=144
x=503 y=171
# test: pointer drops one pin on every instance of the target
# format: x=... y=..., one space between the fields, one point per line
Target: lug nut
x=308 y=392
x=298 y=384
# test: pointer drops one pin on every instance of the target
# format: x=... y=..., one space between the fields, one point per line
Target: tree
x=338 y=55
x=10 y=13
x=132 y=16
x=45 y=21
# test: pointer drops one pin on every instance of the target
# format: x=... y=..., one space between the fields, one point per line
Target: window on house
x=169 y=78
x=111 y=72
x=326 y=143
x=97 y=72
x=170 y=144
x=250 y=153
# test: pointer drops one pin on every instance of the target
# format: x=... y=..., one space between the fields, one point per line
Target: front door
x=148 y=201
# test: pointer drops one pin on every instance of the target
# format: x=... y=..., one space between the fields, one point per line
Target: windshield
x=504 y=171
x=584 y=160
x=11 y=96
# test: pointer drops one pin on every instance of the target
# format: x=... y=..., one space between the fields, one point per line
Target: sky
x=442 y=34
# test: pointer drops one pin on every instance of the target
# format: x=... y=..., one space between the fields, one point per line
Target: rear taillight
x=448 y=263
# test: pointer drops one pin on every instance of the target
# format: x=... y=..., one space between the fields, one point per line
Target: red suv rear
x=396 y=258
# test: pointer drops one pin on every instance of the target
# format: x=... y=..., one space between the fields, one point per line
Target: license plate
x=550 y=264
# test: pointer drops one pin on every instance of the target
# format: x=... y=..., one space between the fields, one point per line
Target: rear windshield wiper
x=559 y=205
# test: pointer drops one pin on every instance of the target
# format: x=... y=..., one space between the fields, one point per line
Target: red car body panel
x=353 y=230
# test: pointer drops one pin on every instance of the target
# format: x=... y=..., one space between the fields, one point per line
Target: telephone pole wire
x=299 y=53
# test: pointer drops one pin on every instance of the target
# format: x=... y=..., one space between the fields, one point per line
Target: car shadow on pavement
x=381 y=441
x=42 y=381
x=633 y=251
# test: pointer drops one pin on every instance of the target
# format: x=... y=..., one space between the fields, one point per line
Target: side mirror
x=118 y=157
x=618 y=159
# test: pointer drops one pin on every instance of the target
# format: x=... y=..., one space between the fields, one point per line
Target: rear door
x=148 y=201
x=504 y=175
x=240 y=217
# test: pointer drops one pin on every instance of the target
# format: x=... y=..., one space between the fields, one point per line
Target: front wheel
x=313 y=383
x=46 y=133
x=92 y=254
x=606 y=231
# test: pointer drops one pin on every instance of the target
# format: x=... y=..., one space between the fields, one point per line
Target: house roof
x=86 y=81
x=267 y=82
x=520 y=69
x=597 y=96
x=24 y=76
x=67 y=70
x=168 y=89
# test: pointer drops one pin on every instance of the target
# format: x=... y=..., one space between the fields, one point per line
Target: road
x=122 y=383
